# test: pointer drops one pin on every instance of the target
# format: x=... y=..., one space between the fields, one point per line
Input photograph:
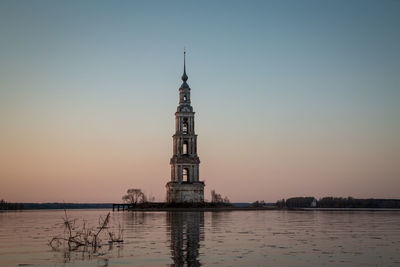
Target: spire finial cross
x=184 y=60
x=184 y=76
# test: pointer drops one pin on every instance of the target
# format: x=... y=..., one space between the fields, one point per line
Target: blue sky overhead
x=292 y=98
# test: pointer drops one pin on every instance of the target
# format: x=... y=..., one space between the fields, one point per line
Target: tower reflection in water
x=186 y=230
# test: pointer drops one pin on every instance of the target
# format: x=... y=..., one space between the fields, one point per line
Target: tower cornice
x=184 y=113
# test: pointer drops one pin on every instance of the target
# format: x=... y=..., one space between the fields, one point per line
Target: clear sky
x=292 y=98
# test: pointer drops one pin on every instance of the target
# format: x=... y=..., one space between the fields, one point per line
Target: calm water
x=238 y=238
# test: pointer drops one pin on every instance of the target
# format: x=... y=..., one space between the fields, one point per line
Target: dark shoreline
x=203 y=209
x=222 y=209
x=255 y=208
x=299 y=204
x=58 y=206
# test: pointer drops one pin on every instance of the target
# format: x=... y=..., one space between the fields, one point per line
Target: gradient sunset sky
x=292 y=98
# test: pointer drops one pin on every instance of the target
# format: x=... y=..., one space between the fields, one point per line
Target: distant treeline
x=67 y=206
x=338 y=202
x=10 y=206
x=33 y=206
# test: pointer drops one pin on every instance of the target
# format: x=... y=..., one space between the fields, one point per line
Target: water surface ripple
x=225 y=238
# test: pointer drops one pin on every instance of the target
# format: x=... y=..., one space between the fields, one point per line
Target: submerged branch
x=76 y=237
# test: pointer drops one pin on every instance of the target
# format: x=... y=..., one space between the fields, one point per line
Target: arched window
x=185 y=175
x=184 y=97
x=185 y=126
x=185 y=148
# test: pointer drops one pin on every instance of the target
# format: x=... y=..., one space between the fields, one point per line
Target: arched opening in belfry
x=185 y=126
x=185 y=175
x=184 y=97
x=185 y=148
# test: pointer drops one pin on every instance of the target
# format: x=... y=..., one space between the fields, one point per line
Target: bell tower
x=185 y=185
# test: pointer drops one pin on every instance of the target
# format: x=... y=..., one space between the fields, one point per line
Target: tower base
x=185 y=192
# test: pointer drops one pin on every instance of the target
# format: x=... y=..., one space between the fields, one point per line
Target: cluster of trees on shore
x=350 y=202
x=4 y=205
x=296 y=202
x=338 y=202
x=217 y=198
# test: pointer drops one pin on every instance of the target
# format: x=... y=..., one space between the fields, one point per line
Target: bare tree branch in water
x=76 y=237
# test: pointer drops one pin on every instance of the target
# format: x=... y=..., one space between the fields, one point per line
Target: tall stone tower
x=185 y=185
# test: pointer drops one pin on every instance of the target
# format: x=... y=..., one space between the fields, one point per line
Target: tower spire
x=184 y=76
